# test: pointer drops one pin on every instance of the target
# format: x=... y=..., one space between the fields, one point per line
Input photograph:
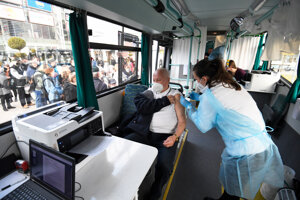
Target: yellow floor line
x=258 y=195
x=175 y=166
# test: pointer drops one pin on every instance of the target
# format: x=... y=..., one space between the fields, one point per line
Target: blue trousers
x=40 y=100
x=165 y=159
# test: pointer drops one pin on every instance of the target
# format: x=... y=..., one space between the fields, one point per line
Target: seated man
x=158 y=122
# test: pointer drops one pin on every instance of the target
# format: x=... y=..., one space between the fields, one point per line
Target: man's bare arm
x=179 y=109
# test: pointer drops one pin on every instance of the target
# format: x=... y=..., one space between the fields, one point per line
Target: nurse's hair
x=216 y=73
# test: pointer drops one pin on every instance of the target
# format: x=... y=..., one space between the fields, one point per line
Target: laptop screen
x=53 y=169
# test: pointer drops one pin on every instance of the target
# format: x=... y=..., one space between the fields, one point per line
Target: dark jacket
x=99 y=85
x=146 y=107
x=69 y=91
x=21 y=80
x=239 y=74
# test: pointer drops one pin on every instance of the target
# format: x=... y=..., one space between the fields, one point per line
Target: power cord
x=11 y=146
x=78 y=190
x=79 y=187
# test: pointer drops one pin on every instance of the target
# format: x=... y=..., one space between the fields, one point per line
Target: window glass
x=161 y=55
x=287 y=66
x=103 y=31
x=47 y=51
x=112 y=67
x=132 y=38
x=154 y=56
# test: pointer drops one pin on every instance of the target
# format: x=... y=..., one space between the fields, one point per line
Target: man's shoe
x=31 y=104
x=25 y=106
x=10 y=107
x=5 y=109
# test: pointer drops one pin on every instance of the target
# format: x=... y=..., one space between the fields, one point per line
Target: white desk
x=117 y=172
x=15 y=179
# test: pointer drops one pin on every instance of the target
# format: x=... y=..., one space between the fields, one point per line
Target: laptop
x=52 y=175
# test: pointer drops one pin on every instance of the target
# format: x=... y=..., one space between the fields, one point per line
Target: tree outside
x=19 y=44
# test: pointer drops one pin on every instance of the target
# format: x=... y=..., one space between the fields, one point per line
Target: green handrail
x=199 y=41
x=266 y=15
x=189 y=64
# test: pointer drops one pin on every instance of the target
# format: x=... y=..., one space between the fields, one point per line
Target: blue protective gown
x=250 y=156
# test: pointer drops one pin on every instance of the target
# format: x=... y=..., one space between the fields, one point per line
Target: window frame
x=103 y=46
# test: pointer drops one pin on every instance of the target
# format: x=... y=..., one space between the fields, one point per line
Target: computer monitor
x=52 y=169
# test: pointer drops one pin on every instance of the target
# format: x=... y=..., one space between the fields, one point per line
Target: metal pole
x=231 y=38
x=199 y=42
x=266 y=15
x=189 y=66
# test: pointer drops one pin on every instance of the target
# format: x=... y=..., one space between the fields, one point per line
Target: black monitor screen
x=52 y=169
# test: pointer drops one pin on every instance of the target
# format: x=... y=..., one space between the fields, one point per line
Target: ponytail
x=216 y=73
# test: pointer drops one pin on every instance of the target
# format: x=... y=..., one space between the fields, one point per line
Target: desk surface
x=15 y=179
x=116 y=172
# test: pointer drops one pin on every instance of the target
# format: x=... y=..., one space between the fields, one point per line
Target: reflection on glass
x=103 y=31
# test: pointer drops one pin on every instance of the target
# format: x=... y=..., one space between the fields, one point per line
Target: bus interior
x=122 y=43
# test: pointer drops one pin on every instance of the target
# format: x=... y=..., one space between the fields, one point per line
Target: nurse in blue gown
x=250 y=156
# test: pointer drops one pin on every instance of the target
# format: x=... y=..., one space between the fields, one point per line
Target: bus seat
x=177 y=86
x=274 y=113
x=131 y=90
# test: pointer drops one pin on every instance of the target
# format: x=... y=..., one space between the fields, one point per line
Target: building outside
x=44 y=27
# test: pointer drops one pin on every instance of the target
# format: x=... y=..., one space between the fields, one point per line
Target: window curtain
x=243 y=51
x=145 y=59
x=86 y=94
x=295 y=89
x=258 y=53
x=264 y=65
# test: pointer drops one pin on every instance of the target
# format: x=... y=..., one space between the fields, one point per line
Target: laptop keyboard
x=29 y=190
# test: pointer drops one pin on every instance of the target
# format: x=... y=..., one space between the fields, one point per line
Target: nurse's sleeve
x=205 y=116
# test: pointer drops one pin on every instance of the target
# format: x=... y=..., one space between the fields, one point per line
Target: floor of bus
x=197 y=172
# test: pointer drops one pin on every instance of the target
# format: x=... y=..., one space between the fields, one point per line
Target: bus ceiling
x=179 y=17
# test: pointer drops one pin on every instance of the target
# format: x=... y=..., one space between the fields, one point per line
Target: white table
x=116 y=172
x=15 y=179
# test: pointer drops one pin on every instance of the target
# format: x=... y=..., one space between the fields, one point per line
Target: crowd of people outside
x=34 y=82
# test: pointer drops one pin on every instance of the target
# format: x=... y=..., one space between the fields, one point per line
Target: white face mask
x=157 y=87
x=201 y=87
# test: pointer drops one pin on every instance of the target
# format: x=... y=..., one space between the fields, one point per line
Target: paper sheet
x=92 y=146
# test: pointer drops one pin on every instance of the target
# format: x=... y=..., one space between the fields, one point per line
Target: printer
x=60 y=126
x=262 y=81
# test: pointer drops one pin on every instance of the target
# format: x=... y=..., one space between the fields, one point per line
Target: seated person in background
x=236 y=72
x=158 y=122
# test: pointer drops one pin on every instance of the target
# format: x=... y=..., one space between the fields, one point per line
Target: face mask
x=201 y=87
x=157 y=87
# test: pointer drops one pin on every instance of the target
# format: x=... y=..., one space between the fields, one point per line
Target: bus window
x=47 y=46
x=287 y=66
